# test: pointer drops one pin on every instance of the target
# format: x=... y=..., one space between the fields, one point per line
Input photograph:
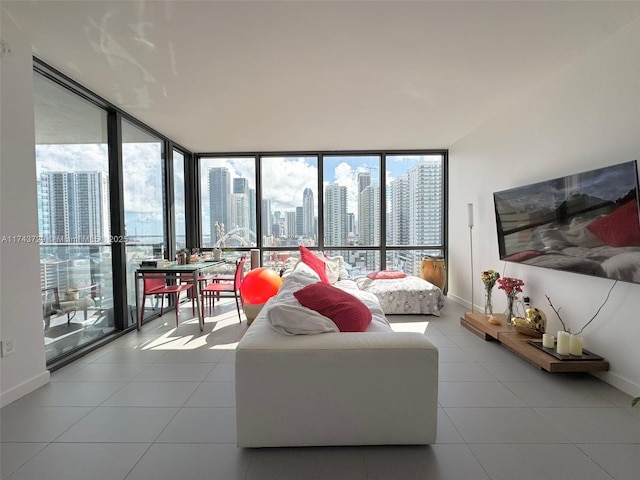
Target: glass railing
x=77 y=295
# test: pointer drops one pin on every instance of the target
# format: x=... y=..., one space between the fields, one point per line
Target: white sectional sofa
x=376 y=387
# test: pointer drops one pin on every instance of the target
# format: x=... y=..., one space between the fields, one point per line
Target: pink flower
x=510 y=285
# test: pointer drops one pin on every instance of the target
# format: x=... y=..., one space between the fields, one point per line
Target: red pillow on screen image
x=346 y=311
x=316 y=264
x=620 y=228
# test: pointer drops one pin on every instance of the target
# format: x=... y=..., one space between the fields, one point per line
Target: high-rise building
x=335 y=215
x=400 y=208
x=425 y=193
x=267 y=218
x=290 y=224
x=239 y=217
x=240 y=185
x=415 y=210
x=369 y=216
x=364 y=180
x=369 y=224
x=351 y=223
x=219 y=194
x=308 y=214
x=299 y=221
x=253 y=221
x=75 y=207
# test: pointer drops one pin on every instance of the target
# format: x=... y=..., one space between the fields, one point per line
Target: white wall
x=20 y=304
x=586 y=117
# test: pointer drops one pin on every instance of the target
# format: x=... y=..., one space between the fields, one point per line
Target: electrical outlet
x=8 y=346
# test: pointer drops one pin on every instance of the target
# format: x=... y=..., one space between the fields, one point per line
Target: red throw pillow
x=620 y=228
x=346 y=311
x=316 y=264
x=386 y=274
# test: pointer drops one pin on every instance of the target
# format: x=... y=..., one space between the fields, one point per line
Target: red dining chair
x=155 y=284
x=220 y=277
x=213 y=290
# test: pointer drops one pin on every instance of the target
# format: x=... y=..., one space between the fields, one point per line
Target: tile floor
x=159 y=404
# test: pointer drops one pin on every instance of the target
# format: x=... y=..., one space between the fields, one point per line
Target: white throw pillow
x=335 y=267
x=287 y=316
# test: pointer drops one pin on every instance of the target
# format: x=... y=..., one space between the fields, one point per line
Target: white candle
x=563 y=343
x=548 y=340
x=470 y=214
x=575 y=345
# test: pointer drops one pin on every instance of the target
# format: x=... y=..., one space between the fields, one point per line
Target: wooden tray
x=586 y=354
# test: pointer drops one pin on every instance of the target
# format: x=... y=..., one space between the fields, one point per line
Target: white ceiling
x=271 y=75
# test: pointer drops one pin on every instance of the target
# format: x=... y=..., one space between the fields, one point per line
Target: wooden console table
x=519 y=344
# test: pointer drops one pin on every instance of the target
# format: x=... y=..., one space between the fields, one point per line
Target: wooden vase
x=434 y=271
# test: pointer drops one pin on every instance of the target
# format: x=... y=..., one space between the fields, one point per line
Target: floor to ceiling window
x=415 y=210
x=352 y=215
x=376 y=209
x=144 y=201
x=72 y=170
x=179 y=202
x=289 y=206
x=228 y=202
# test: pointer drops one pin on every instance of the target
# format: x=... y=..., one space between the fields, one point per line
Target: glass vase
x=509 y=312
x=488 y=306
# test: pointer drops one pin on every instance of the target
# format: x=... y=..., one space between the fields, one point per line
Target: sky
x=284 y=178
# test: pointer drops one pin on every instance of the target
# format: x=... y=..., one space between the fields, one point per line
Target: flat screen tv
x=584 y=223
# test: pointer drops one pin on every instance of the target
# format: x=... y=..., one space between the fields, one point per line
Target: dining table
x=175 y=272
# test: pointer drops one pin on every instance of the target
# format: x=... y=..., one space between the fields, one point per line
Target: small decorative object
x=533 y=324
x=489 y=278
x=511 y=286
x=564 y=326
x=548 y=340
x=564 y=345
x=494 y=321
x=217 y=253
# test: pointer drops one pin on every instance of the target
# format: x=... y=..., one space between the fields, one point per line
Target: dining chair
x=220 y=277
x=213 y=289
x=155 y=284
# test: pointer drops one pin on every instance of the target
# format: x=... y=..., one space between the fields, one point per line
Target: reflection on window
x=74 y=219
x=289 y=201
x=228 y=202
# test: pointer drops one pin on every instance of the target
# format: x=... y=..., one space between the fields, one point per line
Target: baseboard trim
x=619 y=382
x=464 y=302
x=21 y=390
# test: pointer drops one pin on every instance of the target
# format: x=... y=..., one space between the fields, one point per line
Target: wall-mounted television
x=585 y=223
